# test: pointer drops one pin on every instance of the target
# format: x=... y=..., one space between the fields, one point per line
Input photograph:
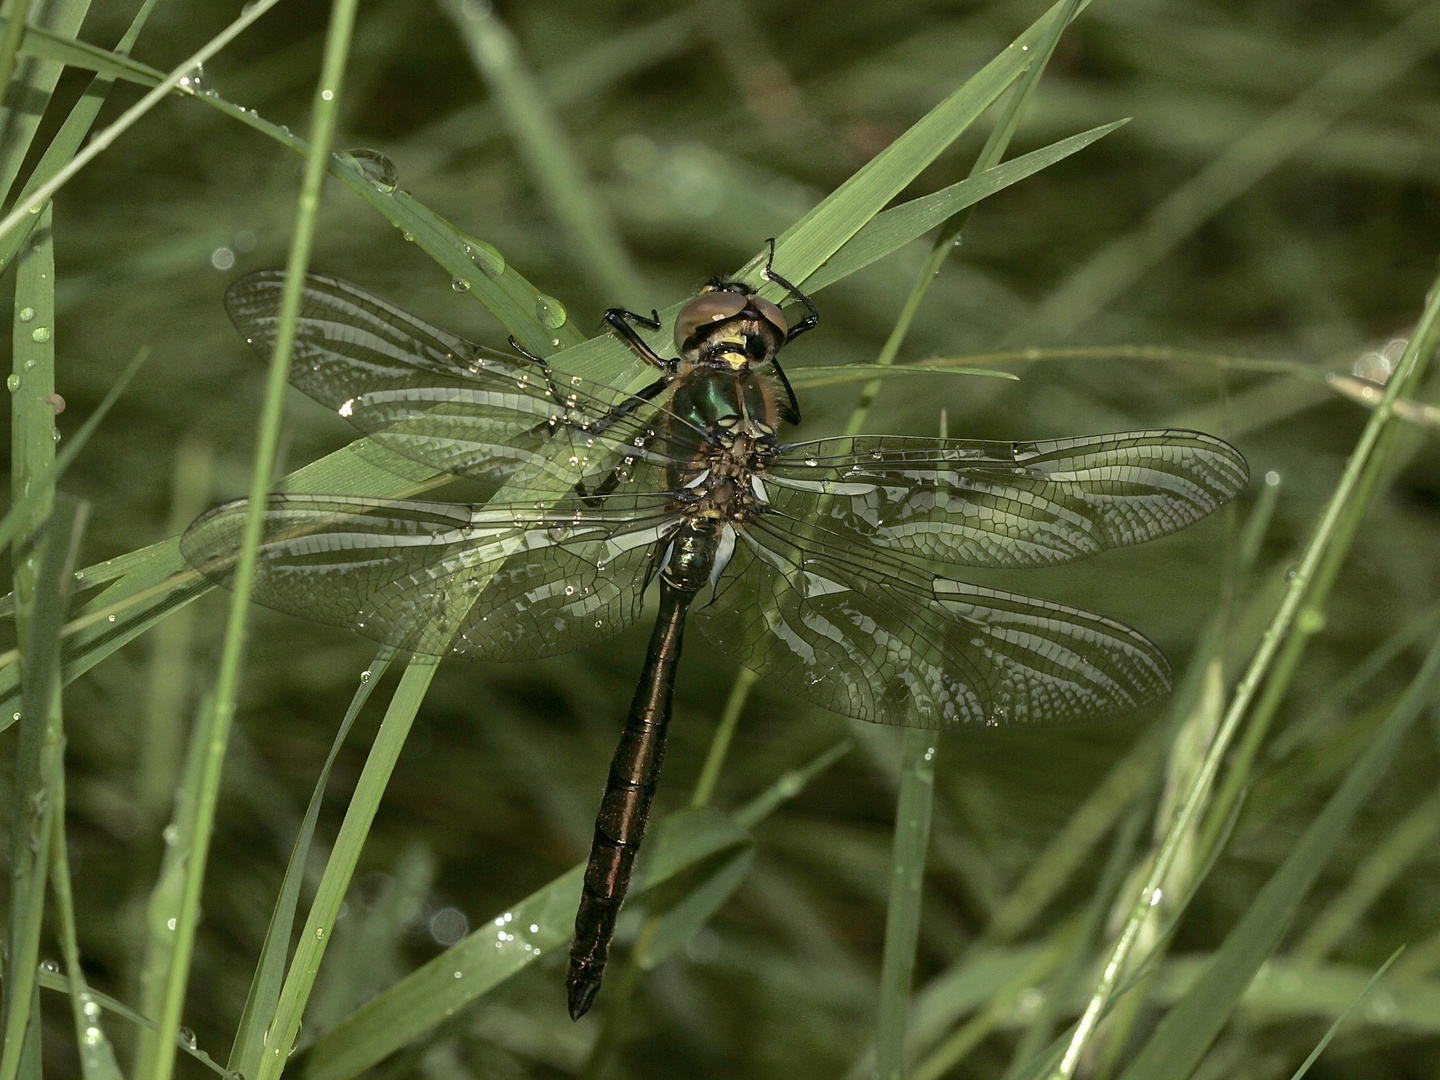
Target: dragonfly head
x=727 y=322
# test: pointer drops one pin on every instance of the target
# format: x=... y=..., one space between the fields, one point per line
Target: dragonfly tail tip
x=583 y=986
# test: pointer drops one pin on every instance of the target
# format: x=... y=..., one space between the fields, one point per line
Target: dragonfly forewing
x=493 y=582
x=1006 y=505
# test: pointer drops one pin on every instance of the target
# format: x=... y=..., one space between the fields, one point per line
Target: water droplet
x=409 y=239
x=365 y=675
x=49 y=966
x=110 y=618
x=12 y=382
x=1156 y=897
x=40 y=335
x=319 y=933
x=222 y=258
x=534 y=928
x=328 y=95
x=55 y=434
x=550 y=312
x=186 y=1038
x=191 y=80
x=375 y=167
x=1272 y=478
x=26 y=314
x=460 y=285
x=91 y=1008
x=485 y=256
x=459 y=975
x=170 y=924
x=171 y=834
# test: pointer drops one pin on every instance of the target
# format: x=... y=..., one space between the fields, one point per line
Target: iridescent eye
x=711 y=307
x=772 y=314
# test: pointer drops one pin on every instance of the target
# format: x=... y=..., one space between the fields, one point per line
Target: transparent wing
x=492 y=582
x=1000 y=504
x=867 y=634
x=444 y=401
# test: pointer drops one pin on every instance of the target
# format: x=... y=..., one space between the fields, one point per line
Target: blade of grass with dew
x=38 y=757
x=1360 y=76
x=42 y=485
x=545 y=148
x=541 y=922
x=32 y=411
x=1328 y=542
x=260 y=1003
x=214 y=729
x=1182 y=1037
x=278 y=1036
x=28 y=92
x=93 y=1046
x=67 y=140
x=1401 y=845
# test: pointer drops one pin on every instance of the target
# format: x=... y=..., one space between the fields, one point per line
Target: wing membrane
x=869 y=635
x=1000 y=504
x=494 y=582
x=444 y=401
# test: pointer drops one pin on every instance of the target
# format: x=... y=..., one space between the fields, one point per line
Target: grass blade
x=264 y=993
x=1182 y=1038
x=214 y=729
x=27 y=94
x=38 y=760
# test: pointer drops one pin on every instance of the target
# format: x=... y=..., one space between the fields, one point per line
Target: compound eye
x=707 y=308
x=772 y=314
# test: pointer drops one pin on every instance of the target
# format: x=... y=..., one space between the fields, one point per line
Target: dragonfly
x=812 y=563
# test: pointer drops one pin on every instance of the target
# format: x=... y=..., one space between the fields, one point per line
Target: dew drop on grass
x=550 y=312
x=186 y=1038
x=486 y=257
x=375 y=167
x=12 y=382
x=49 y=966
x=460 y=285
x=40 y=335
x=26 y=314
x=191 y=80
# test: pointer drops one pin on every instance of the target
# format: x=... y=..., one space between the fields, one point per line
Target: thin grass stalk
x=260 y=1003
x=214 y=729
x=1335 y=1027
x=281 y=1032
x=913 y=812
x=720 y=741
x=38 y=758
x=127 y=119
x=96 y=1053
x=1327 y=543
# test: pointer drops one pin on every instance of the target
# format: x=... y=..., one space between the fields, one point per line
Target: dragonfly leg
x=812 y=317
x=620 y=320
x=619 y=412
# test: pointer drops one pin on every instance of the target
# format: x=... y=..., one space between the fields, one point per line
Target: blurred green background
x=1276 y=196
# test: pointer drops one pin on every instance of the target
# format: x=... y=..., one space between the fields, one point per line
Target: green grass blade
x=1186 y=1032
x=29 y=91
x=260 y=1004
x=214 y=729
x=278 y=1038
x=907 y=886
x=1340 y=1020
x=44 y=44
x=546 y=150
x=93 y=1046
x=828 y=375
x=38 y=760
